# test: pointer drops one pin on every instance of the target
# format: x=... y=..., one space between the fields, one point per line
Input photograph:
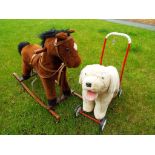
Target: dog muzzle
x=90 y=95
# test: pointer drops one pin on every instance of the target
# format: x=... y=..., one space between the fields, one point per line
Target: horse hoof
x=61 y=98
x=21 y=79
x=67 y=93
x=51 y=108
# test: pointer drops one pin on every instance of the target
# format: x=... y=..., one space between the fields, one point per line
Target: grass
x=133 y=113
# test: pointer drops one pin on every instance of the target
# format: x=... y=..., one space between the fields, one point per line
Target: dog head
x=95 y=80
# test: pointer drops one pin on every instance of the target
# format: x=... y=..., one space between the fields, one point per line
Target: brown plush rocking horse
x=58 y=51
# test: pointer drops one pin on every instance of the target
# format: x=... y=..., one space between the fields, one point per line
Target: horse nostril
x=88 y=84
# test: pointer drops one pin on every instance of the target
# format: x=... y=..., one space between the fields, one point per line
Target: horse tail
x=22 y=45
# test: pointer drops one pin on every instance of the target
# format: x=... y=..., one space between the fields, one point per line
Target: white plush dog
x=99 y=85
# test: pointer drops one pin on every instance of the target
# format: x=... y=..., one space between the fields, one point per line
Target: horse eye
x=67 y=49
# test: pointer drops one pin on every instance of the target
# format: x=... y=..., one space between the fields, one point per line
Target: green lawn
x=132 y=113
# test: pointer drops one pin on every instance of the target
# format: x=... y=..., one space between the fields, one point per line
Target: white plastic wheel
x=120 y=92
x=102 y=124
x=77 y=110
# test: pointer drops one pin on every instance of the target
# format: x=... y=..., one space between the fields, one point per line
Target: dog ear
x=62 y=35
x=114 y=82
x=80 y=77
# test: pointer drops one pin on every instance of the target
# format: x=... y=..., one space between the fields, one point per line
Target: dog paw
x=99 y=116
x=88 y=109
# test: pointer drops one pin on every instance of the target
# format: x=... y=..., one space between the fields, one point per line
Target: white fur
x=104 y=82
x=75 y=46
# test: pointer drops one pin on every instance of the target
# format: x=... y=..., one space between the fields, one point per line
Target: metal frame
x=127 y=50
x=79 y=110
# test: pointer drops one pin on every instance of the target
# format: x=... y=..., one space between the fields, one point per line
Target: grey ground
x=136 y=24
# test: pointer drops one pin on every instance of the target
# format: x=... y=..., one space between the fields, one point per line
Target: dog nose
x=88 y=84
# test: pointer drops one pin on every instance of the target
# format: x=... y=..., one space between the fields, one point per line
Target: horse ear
x=80 y=78
x=55 y=41
x=61 y=35
x=71 y=31
x=114 y=82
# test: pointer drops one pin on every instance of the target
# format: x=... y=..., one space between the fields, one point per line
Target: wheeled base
x=102 y=122
x=37 y=99
x=78 y=110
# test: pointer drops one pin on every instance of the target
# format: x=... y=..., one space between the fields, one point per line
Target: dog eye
x=85 y=73
x=102 y=77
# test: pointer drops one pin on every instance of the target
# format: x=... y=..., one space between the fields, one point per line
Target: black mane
x=50 y=33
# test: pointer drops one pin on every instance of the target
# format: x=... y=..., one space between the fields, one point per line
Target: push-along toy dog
x=100 y=85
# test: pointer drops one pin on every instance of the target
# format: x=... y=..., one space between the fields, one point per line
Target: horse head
x=60 y=43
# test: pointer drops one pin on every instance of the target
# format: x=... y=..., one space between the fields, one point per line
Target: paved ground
x=144 y=21
x=145 y=24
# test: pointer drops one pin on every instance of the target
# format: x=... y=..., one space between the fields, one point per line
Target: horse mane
x=49 y=34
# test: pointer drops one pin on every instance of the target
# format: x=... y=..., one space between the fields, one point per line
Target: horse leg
x=26 y=70
x=49 y=87
x=64 y=84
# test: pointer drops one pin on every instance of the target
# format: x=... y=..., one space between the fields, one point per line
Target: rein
x=52 y=72
x=56 y=44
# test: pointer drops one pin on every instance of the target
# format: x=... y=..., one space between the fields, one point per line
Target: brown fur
x=52 y=61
